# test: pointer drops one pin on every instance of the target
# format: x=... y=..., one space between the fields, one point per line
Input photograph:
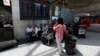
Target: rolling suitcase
x=70 y=45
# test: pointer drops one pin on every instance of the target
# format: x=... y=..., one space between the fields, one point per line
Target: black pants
x=39 y=34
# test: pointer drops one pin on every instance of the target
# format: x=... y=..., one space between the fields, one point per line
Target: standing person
x=59 y=29
x=76 y=28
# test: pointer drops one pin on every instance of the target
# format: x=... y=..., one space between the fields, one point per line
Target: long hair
x=60 y=21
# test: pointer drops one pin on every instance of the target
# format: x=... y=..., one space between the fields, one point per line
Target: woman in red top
x=59 y=29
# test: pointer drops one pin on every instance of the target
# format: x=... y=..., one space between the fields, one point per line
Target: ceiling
x=74 y=3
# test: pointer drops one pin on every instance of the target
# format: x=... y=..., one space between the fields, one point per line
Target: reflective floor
x=85 y=47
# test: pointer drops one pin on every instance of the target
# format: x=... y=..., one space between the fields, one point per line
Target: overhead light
x=87 y=14
x=6 y=2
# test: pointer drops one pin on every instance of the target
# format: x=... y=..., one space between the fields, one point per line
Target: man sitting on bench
x=29 y=33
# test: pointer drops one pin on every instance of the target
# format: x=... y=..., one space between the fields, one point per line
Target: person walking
x=59 y=29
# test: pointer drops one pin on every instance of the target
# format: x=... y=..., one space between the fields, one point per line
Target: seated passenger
x=37 y=30
x=29 y=32
x=45 y=28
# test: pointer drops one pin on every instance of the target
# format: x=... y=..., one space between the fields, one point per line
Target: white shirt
x=37 y=29
x=45 y=28
x=29 y=29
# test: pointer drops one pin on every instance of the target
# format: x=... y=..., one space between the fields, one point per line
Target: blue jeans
x=30 y=36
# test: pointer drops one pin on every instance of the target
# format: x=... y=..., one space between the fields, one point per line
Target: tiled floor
x=85 y=47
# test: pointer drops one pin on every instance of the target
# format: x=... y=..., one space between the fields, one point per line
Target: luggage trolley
x=82 y=31
x=47 y=37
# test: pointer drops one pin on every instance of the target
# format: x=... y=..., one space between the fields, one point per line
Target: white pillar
x=19 y=25
x=56 y=11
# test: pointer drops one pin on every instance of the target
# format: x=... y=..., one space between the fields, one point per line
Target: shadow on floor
x=52 y=52
x=33 y=49
x=49 y=52
x=54 y=45
x=78 y=53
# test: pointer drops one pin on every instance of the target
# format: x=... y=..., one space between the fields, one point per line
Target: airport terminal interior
x=49 y=27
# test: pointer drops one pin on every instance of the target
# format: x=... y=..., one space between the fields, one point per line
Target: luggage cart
x=47 y=37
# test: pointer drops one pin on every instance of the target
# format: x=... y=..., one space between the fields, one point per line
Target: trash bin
x=70 y=45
